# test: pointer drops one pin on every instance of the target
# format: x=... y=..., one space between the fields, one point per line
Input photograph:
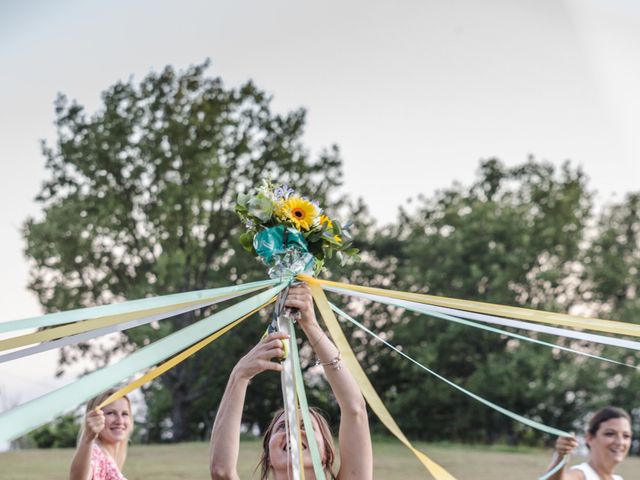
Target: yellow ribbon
x=169 y=364
x=94 y=323
x=596 y=324
x=374 y=401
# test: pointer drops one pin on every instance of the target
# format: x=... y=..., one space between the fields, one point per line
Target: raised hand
x=260 y=357
x=566 y=445
x=300 y=298
x=93 y=423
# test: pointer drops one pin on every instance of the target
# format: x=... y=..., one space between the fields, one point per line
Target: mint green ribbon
x=524 y=420
x=304 y=406
x=426 y=310
x=69 y=316
x=25 y=417
x=555 y=469
x=98 y=332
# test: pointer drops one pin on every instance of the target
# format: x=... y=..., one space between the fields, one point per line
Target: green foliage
x=517 y=236
x=62 y=433
x=139 y=201
x=267 y=209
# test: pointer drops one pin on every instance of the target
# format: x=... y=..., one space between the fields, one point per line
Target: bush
x=62 y=433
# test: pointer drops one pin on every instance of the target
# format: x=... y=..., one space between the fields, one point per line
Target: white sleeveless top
x=589 y=473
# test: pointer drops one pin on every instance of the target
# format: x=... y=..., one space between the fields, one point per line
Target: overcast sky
x=413 y=92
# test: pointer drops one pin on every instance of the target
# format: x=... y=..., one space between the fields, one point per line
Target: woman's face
x=278 y=448
x=611 y=442
x=117 y=421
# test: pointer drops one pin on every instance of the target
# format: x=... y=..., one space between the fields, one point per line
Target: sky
x=414 y=92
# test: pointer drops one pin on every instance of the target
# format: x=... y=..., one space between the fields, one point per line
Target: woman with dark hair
x=608 y=439
x=356 y=458
x=103 y=440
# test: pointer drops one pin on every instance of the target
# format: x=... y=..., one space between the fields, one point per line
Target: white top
x=589 y=473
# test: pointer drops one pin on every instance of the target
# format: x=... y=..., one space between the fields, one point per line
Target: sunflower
x=301 y=212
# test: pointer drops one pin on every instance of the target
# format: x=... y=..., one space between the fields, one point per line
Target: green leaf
x=260 y=207
x=246 y=240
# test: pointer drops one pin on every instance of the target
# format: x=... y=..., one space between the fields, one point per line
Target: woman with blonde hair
x=608 y=439
x=103 y=440
x=354 y=439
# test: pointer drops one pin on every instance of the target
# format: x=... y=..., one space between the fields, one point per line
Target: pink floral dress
x=104 y=467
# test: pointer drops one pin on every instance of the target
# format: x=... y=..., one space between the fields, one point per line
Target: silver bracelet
x=333 y=363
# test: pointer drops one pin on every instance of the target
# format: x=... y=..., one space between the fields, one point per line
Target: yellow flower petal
x=300 y=211
x=327 y=220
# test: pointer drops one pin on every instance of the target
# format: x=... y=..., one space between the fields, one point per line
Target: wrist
x=88 y=437
x=315 y=341
x=239 y=376
x=312 y=329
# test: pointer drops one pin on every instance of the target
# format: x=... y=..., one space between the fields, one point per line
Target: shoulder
x=580 y=472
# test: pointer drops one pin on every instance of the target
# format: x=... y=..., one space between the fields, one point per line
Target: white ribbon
x=481 y=317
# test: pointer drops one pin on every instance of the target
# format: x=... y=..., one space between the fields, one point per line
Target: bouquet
x=289 y=232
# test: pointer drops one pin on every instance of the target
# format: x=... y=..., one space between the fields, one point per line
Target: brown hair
x=328 y=456
x=121 y=451
x=604 y=414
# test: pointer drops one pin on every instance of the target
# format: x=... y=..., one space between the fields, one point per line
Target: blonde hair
x=121 y=448
x=328 y=456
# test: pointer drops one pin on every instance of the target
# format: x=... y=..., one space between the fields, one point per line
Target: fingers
x=269 y=365
x=261 y=357
x=275 y=336
x=300 y=287
x=94 y=421
x=300 y=293
x=300 y=298
x=276 y=352
x=565 y=445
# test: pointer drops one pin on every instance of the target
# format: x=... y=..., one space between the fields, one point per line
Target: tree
x=612 y=278
x=61 y=433
x=138 y=202
x=612 y=263
x=513 y=237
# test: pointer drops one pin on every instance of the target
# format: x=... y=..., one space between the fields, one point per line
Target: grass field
x=188 y=461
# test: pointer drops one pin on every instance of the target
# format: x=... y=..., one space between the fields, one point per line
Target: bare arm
x=564 y=446
x=225 y=436
x=356 y=457
x=81 y=463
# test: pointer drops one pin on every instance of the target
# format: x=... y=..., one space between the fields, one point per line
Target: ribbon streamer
x=427 y=310
x=118 y=327
x=294 y=441
x=34 y=413
x=168 y=365
x=59 y=318
x=608 y=326
x=524 y=420
x=560 y=332
x=374 y=401
x=304 y=406
x=555 y=469
x=98 y=323
x=70 y=340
